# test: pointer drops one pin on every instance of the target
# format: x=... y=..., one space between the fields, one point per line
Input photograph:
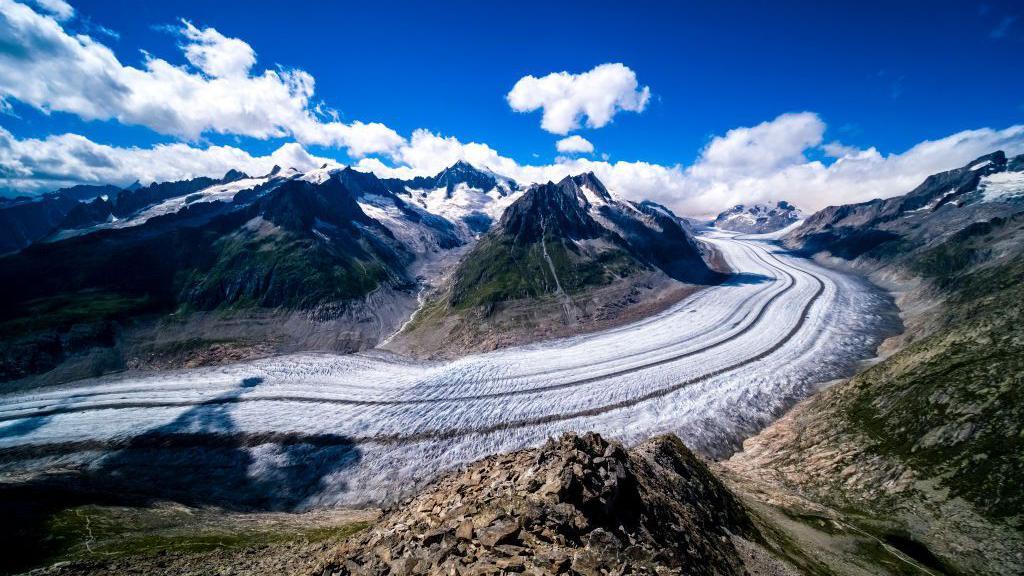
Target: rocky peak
x=958 y=186
x=298 y=205
x=579 y=504
x=233 y=175
x=465 y=173
x=590 y=181
x=555 y=210
x=362 y=183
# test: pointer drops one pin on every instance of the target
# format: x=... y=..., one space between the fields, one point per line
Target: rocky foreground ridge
x=577 y=505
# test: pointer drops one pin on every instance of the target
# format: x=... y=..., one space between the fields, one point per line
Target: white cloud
x=218 y=91
x=761 y=149
x=60 y=9
x=57 y=71
x=566 y=98
x=215 y=54
x=727 y=173
x=41 y=165
x=574 y=145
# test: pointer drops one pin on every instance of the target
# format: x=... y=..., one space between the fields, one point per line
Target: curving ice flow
x=714 y=369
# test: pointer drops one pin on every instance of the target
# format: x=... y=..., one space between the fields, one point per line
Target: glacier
x=715 y=368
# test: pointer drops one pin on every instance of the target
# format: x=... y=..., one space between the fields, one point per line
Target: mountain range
x=910 y=466
x=213 y=270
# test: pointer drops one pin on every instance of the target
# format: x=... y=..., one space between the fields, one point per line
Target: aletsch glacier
x=321 y=430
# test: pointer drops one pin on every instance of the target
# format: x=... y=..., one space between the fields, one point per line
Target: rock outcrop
x=577 y=505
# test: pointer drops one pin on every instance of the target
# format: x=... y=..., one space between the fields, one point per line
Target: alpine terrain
x=548 y=309
x=923 y=449
x=759 y=218
x=564 y=258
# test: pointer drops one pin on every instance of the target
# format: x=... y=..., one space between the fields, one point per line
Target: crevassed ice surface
x=714 y=369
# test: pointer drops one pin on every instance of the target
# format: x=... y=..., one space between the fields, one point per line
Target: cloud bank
x=42 y=165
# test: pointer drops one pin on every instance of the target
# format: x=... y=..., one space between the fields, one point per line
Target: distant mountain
x=326 y=259
x=562 y=238
x=134 y=202
x=470 y=197
x=27 y=220
x=759 y=218
x=571 y=251
x=461 y=173
x=943 y=204
x=303 y=246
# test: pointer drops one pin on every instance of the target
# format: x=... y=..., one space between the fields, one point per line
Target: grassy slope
x=498 y=270
x=278 y=268
x=952 y=404
x=168 y=538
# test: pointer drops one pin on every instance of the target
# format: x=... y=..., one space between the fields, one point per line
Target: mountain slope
x=941 y=205
x=759 y=218
x=564 y=257
x=304 y=252
x=924 y=446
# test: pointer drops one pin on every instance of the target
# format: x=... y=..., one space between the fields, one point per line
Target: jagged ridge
x=578 y=505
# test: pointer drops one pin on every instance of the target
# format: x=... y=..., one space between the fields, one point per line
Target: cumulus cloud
x=574 y=145
x=219 y=93
x=567 y=98
x=215 y=54
x=40 y=165
x=219 y=90
x=718 y=179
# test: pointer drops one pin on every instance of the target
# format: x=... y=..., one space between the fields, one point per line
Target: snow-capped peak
x=758 y=218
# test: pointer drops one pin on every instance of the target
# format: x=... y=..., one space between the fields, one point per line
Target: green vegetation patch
x=499 y=270
x=952 y=405
x=95 y=532
x=64 y=310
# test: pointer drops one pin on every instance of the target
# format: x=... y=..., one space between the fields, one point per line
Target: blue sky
x=881 y=76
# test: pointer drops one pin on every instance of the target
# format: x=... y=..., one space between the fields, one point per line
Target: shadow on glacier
x=746 y=279
x=202 y=458
x=23 y=427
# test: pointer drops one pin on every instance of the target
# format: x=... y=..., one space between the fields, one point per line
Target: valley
x=573 y=312
x=330 y=430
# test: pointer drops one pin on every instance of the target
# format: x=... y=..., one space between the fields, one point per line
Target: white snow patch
x=592 y=196
x=1002 y=186
x=215 y=193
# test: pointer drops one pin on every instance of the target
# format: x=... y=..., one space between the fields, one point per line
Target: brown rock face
x=578 y=505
